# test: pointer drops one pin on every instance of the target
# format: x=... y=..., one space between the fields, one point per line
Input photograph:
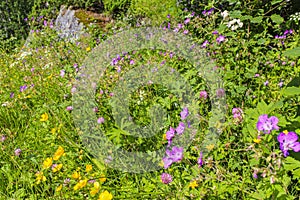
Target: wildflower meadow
x=137 y=99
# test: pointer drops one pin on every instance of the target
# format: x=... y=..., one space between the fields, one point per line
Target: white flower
x=225 y=15
x=235 y=24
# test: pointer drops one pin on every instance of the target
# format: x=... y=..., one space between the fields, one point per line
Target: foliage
x=255 y=48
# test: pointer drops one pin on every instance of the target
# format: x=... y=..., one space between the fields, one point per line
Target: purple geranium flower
x=180 y=128
x=23 y=87
x=166 y=178
x=220 y=39
x=170 y=133
x=187 y=21
x=200 y=160
x=266 y=124
x=175 y=154
x=288 y=142
x=184 y=113
x=205 y=43
x=167 y=162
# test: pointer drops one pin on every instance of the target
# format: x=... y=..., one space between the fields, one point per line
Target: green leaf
x=257 y=19
x=276 y=1
x=291 y=91
x=292 y=52
x=277 y=19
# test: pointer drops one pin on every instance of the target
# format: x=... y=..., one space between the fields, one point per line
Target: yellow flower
x=53 y=131
x=285 y=132
x=88 y=49
x=165 y=137
x=88 y=168
x=256 y=140
x=95 y=189
x=105 y=196
x=47 y=163
x=58 y=188
x=80 y=184
x=193 y=184
x=210 y=147
x=102 y=179
x=76 y=175
x=57 y=168
x=59 y=152
x=40 y=177
x=44 y=117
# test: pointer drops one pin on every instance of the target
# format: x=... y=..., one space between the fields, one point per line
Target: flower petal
x=296 y=147
x=291 y=137
x=281 y=137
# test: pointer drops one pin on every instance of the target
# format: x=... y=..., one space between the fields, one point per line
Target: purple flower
x=280 y=84
x=187 y=21
x=100 y=120
x=184 y=113
x=185 y=32
x=286 y=32
x=180 y=128
x=205 y=43
x=203 y=94
x=180 y=26
x=95 y=109
x=166 y=178
x=256 y=75
x=220 y=39
x=18 y=152
x=23 y=87
x=69 y=108
x=45 y=23
x=200 y=160
x=266 y=83
x=131 y=62
x=220 y=92
x=11 y=95
x=3 y=138
x=176 y=154
x=210 y=11
x=170 y=133
x=168 y=16
x=288 y=142
x=266 y=124
x=62 y=73
x=167 y=162
x=215 y=32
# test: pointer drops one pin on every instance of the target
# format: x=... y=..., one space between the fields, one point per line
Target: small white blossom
x=225 y=15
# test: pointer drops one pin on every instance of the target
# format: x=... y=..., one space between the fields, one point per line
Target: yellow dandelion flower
x=193 y=184
x=80 y=184
x=58 y=188
x=88 y=168
x=88 y=49
x=95 y=189
x=57 y=168
x=44 y=117
x=103 y=178
x=76 y=175
x=285 y=132
x=47 y=163
x=59 y=152
x=105 y=196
